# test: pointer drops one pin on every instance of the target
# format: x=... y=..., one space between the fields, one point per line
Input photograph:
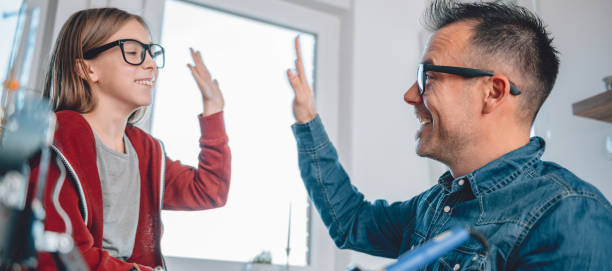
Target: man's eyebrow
x=428 y=61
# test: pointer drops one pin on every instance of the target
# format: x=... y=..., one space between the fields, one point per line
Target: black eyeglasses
x=423 y=68
x=133 y=51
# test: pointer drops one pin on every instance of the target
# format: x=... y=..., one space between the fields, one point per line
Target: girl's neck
x=109 y=126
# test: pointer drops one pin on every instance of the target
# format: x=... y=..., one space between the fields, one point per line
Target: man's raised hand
x=303 y=103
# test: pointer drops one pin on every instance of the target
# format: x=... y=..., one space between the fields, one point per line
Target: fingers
x=303 y=102
x=194 y=72
x=290 y=76
x=299 y=66
x=298 y=49
x=216 y=84
x=294 y=80
x=200 y=67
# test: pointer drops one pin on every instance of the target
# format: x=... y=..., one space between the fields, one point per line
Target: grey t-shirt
x=120 y=180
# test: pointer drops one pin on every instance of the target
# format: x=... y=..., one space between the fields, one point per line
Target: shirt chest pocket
x=461 y=259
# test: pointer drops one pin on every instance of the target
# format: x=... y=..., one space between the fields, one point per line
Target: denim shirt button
x=447 y=209
x=456 y=267
x=461 y=182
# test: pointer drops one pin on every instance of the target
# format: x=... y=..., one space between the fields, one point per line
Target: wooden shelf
x=598 y=107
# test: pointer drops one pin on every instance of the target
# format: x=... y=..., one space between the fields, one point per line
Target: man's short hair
x=511 y=32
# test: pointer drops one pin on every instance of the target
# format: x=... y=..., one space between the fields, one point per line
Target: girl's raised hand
x=211 y=95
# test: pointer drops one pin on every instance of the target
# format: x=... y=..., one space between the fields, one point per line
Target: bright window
x=249 y=58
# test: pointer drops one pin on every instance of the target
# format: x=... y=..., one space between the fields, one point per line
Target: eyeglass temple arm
x=514 y=89
x=469 y=73
x=95 y=51
x=464 y=72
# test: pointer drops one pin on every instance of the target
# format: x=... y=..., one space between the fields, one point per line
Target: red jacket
x=181 y=187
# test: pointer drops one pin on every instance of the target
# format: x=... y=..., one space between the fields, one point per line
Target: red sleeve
x=206 y=187
x=95 y=257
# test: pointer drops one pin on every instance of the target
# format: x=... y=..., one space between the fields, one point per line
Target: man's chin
x=423 y=153
x=420 y=148
x=423 y=149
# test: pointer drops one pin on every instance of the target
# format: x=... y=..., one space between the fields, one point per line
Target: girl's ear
x=85 y=70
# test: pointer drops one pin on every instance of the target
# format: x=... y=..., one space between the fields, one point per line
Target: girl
x=117 y=177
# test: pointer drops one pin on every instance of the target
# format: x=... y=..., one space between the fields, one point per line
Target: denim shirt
x=536 y=215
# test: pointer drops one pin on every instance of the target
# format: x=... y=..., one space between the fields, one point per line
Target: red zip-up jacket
x=164 y=183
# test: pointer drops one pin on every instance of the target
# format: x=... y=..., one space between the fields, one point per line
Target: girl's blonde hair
x=84 y=30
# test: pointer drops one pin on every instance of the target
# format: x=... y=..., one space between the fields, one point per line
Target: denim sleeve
x=575 y=235
x=353 y=223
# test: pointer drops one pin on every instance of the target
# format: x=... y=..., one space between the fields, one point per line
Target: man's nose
x=412 y=95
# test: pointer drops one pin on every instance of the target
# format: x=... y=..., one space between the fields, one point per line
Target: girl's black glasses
x=133 y=51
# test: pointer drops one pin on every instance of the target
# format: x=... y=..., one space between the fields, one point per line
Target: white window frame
x=326 y=27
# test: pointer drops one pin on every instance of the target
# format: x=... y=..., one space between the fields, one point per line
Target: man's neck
x=487 y=149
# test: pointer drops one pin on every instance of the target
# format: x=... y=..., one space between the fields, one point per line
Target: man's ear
x=85 y=70
x=497 y=91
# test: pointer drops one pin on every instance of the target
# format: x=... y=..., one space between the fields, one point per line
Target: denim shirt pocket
x=461 y=258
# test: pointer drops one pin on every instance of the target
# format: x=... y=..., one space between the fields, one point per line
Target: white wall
x=582 y=34
x=386 y=51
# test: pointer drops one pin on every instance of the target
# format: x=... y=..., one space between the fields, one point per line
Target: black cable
x=480 y=238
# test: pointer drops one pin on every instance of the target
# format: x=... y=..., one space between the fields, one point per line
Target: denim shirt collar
x=499 y=172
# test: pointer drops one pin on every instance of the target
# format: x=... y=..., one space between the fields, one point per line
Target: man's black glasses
x=423 y=68
x=133 y=51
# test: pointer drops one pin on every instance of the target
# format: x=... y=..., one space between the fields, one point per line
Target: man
x=484 y=75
